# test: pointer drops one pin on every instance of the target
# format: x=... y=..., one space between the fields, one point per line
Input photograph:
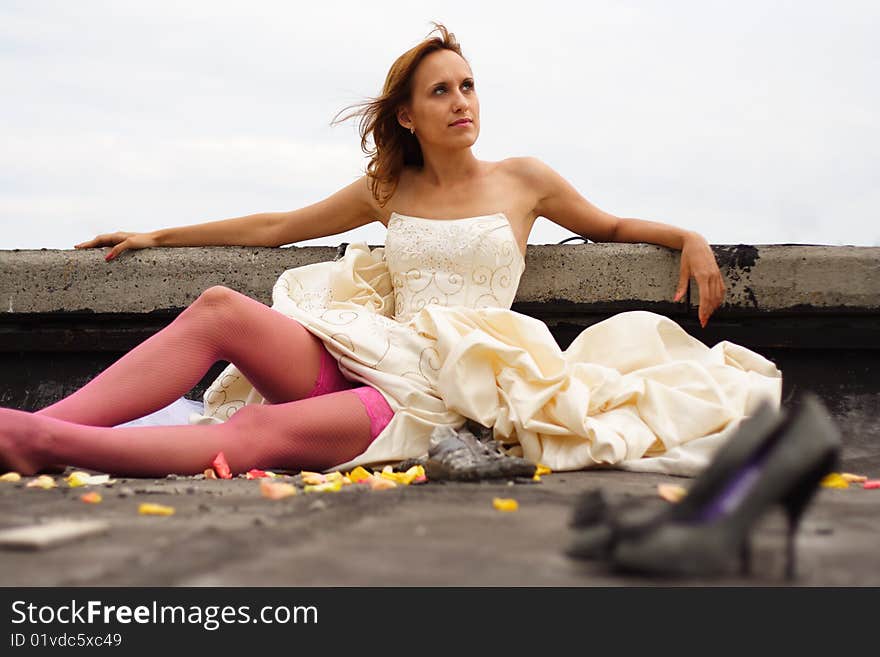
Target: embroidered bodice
x=473 y=262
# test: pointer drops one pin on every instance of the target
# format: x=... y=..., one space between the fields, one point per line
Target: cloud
x=726 y=119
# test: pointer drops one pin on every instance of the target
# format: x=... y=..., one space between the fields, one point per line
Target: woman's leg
x=275 y=353
x=313 y=434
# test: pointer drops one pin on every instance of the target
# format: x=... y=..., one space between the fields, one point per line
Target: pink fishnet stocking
x=314 y=433
x=281 y=359
x=314 y=417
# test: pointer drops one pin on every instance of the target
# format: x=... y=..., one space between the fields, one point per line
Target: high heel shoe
x=711 y=535
x=598 y=526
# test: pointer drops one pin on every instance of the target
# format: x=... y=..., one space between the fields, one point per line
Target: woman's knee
x=217 y=295
x=219 y=302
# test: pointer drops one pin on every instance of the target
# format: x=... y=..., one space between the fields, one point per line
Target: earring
x=412 y=131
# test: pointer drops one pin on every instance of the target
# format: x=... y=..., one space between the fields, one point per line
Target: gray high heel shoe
x=599 y=526
x=709 y=537
x=459 y=455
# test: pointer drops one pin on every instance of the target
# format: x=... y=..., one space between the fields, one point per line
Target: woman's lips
x=459 y=124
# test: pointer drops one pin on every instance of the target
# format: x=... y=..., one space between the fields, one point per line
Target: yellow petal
x=359 y=474
x=834 y=480
x=11 y=476
x=381 y=483
x=328 y=487
x=275 y=490
x=210 y=474
x=43 y=481
x=78 y=478
x=671 y=492
x=313 y=478
x=333 y=476
x=155 y=509
x=854 y=478
x=542 y=470
x=505 y=504
x=404 y=478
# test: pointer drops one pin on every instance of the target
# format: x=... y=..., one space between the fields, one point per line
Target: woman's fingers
x=100 y=240
x=116 y=250
x=720 y=290
x=683 y=278
x=711 y=296
x=120 y=242
x=107 y=239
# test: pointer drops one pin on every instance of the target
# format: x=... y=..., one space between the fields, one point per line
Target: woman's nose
x=460 y=101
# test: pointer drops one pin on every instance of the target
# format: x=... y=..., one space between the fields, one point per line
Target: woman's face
x=442 y=93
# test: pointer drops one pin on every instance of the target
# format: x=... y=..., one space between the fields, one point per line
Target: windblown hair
x=395 y=147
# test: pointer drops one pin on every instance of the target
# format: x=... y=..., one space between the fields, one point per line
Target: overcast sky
x=752 y=121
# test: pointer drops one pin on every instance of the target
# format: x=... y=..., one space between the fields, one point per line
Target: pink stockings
x=313 y=417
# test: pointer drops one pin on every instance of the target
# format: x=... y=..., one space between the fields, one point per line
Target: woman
x=383 y=346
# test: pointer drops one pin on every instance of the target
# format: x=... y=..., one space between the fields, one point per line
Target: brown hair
x=395 y=146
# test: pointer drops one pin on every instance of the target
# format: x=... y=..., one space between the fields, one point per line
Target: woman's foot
x=24 y=438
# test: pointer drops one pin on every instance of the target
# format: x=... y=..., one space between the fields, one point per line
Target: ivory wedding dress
x=426 y=320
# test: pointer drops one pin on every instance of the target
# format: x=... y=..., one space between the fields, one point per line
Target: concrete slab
x=225 y=534
x=765 y=277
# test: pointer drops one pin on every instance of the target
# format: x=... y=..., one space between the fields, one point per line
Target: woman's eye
x=468 y=84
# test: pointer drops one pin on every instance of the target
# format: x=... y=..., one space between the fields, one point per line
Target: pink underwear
x=377 y=408
x=330 y=379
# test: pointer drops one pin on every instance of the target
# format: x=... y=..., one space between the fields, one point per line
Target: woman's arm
x=561 y=203
x=250 y=230
x=348 y=208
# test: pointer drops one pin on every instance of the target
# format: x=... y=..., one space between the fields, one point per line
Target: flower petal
x=276 y=490
x=221 y=467
x=834 y=480
x=505 y=504
x=671 y=492
x=148 y=509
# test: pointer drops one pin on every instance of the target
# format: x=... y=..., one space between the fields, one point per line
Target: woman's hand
x=120 y=241
x=698 y=261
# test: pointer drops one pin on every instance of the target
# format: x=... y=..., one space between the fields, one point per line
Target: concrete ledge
x=562 y=278
x=812 y=310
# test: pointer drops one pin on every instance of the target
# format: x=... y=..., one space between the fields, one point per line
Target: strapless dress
x=426 y=320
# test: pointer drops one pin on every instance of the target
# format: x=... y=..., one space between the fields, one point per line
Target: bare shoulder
x=527 y=168
x=533 y=179
x=534 y=175
x=365 y=187
x=557 y=200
